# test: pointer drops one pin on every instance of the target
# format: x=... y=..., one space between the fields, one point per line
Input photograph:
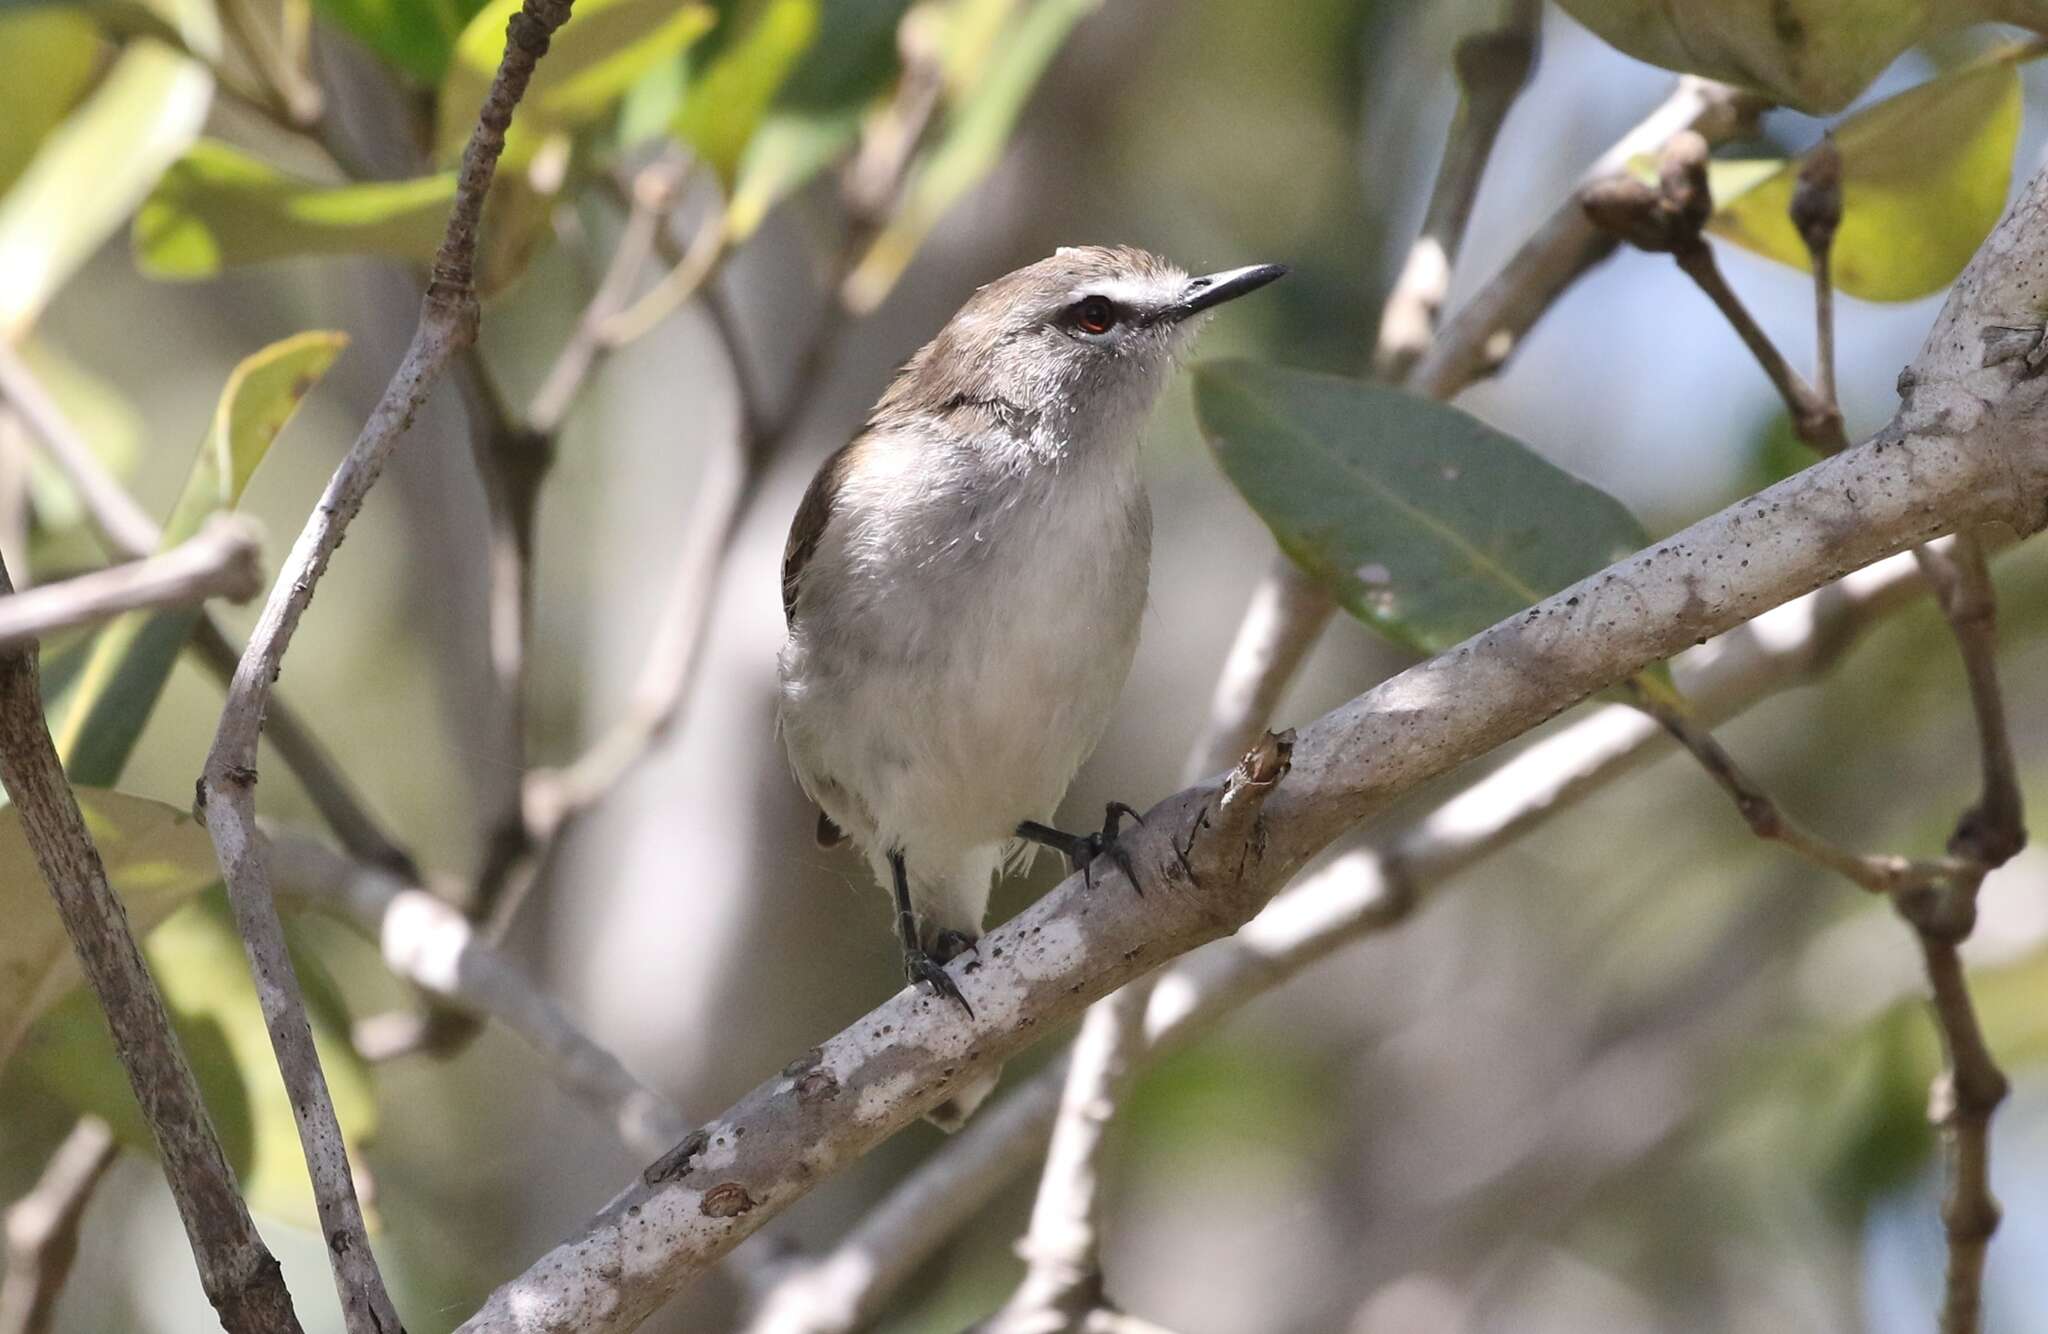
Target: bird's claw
x=949 y=945
x=1081 y=850
x=927 y=972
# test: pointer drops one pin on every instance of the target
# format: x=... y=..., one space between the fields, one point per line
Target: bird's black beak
x=1213 y=289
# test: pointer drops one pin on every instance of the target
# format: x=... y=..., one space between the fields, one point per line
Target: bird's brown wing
x=811 y=517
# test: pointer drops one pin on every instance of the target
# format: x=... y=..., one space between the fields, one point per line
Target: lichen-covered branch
x=448 y=320
x=1361 y=892
x=426 y=941
x=238 y=1272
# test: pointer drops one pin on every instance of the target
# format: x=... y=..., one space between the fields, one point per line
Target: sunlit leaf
x=417 y=36
x=218 y=207
x=1924 y=178
x=728 y=97
x=63 y=48
x=605 y=48
x=1423 y=521
x=1816 y=55
x=92 y=170
x=816 y=116
x=101 y=712
x=157 y=858
x=991 y=95
x=198 y=963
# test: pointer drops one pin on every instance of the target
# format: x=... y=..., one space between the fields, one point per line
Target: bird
x=963 y=584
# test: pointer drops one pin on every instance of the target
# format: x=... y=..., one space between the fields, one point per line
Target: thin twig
x=448 y=322
x=1965 y=1095
x=1879 y=873
x=128 y=533
x=1993 y=830
x=1478 y=340
x=686 y=276
x=1817 y=214
x=42 y=1227
x=1813 y=419
x=1671 y=218
x=653 y=193
x=1360 y=893
x=430 y=944
x=1492 y=66
x=240 y=1276
x=222 y=560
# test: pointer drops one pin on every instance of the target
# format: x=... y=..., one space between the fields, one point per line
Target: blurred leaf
x=993 y=85
x=104 y=417
x=218 y=207
x=103 y=711
x=1816 y=55
x=604 y=49
x=157 y=858
x=92 y=170
x=817 y=114
x=63 y=48
x=1423 y=521
x=727 y=99
x=417 y=36
x=1924 y=178
x=198 y=962
x=1224 y=1097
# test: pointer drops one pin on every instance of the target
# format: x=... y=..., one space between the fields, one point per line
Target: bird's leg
x=1081 y=850
x=920 y=967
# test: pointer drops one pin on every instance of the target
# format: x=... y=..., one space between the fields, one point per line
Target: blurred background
x=1638 y=1072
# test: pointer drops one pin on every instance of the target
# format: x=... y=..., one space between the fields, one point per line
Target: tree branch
x=1492 y=66
x=222 y=560
x=42 y=1228
x=240 y=1276
x=429 y=943
x=448 y=321
x=1361 y=892
x=1963 y=450
x=128 y=533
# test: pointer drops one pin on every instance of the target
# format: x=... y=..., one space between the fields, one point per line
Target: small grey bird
x=964 y=579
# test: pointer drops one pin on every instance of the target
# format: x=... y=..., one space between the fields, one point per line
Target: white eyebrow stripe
x=1126 y=292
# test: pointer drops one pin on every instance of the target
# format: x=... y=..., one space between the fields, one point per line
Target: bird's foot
x=949 y=945
x=1081 y=850
x=925 y=971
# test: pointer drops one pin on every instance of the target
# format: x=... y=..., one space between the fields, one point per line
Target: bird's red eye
x=1095 y=315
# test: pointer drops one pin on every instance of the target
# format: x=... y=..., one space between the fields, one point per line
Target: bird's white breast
x=962 y=634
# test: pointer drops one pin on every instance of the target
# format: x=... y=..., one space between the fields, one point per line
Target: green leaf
x=596 y=57
x=1424 y=522
x=218 y=207
x=157 y=858
x=92 y=170
x=1924 y=178
x=63 y=48
x=727 y=99
x=102 y=711
x=199 y=965
x=1816 y=55
x=104 y=417
x=816 y=116
x=994 y=73
x=417 y=36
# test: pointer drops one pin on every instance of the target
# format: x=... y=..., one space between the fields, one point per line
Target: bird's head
x=1091 y=330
